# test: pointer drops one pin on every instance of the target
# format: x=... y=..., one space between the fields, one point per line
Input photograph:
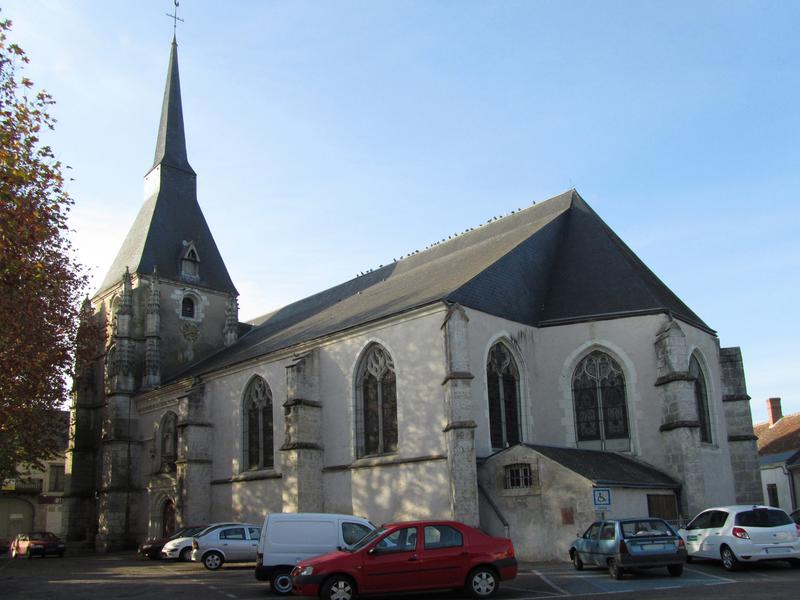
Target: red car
x=401 y=557
x=37 y=543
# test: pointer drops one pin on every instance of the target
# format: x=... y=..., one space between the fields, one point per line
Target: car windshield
x=42 y=535
x=365 y=540
x=762 y=517
x=645 y=527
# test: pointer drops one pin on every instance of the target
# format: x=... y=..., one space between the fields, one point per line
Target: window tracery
x=701 y=399
x=601 y=412
x=502 y=376
x=258 y=425
x=376 y=407
x=169 y=441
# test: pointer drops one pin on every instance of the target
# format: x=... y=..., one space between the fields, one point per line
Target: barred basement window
x=518 y=476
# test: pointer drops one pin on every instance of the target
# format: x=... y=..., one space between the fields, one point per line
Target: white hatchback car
x=741 y=534
x=231 y=542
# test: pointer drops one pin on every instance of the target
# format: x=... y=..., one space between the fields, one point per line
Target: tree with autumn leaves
x=40 y=282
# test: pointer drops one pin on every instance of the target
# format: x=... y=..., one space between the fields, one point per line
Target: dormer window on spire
x=190 y=263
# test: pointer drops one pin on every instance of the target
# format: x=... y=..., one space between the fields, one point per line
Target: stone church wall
x=548 y=358
x=381 y=488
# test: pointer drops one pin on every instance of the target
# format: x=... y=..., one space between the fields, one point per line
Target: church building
x=500 y=378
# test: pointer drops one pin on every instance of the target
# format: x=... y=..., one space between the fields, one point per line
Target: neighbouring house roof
x=171 y=217
x=551 y=263
x=777 y=460
x=783 y=436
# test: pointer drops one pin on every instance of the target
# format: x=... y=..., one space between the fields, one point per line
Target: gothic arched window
x=169 y=441
x=257 y=410
x=376 y=403
x=502 y=378
x=601 y=411
x=187 y=307
x=701 y=399
x=190 y=264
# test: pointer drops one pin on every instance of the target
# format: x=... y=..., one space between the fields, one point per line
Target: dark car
x=621 y=544
x=404 y=557
x=151 y=547
x=37 y=543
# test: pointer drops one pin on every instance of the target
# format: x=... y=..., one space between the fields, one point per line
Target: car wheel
x=576 y=561
x=729 y=560
x=338 y=588
x=615 y=570
x=185 y=555
x=213 y=561
x=482 y=583
x=281 y=582
x=28 y=553
x=675 y=570
x=689 y=558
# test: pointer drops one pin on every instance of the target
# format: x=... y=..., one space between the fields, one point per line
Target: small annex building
x=545 y=494
x=536 y=343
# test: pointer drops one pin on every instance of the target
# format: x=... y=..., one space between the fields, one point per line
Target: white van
x=288 y=538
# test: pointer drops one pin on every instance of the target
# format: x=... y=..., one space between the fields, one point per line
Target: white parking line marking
x=551 y=584
x=725 y=579
x=516 y=589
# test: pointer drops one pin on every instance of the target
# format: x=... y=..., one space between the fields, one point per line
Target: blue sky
x=331 y=137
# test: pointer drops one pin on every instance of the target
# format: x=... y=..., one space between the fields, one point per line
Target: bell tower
x=167 y=301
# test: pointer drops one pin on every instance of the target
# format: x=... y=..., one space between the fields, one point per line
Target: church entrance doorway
x=168 y=518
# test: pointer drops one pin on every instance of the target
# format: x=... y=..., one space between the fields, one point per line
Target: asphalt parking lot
x=124 y=575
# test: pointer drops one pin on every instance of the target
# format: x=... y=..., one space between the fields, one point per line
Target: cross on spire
x=175 y=18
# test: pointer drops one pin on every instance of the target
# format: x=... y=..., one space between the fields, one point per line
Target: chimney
x=774 y=409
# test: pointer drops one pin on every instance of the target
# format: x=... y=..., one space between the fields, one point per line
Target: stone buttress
x=459 y=431
x=301 y=452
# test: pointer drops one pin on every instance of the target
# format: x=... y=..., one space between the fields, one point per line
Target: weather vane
x=175 y=18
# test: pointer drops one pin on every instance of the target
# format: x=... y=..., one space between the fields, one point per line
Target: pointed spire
x=171 y=142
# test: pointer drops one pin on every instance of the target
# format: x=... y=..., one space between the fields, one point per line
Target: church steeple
x=171 y=142
x=170 y=220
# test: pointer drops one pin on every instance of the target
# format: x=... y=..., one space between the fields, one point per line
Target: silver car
x=741 y=534
x=232 y=542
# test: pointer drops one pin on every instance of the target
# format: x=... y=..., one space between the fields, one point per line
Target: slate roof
x=607 y=468
x=551 y=263
x=171 y=215
x=783 y=436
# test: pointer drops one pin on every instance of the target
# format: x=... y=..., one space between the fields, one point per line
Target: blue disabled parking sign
x=601 y=498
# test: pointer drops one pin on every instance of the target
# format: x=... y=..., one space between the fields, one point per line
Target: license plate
x=778 y=550
x=654 y=547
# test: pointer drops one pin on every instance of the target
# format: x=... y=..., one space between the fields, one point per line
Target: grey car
x=622 y=544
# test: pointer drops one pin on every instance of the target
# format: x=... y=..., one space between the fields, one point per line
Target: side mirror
x=579 y=535
x=371 y=550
